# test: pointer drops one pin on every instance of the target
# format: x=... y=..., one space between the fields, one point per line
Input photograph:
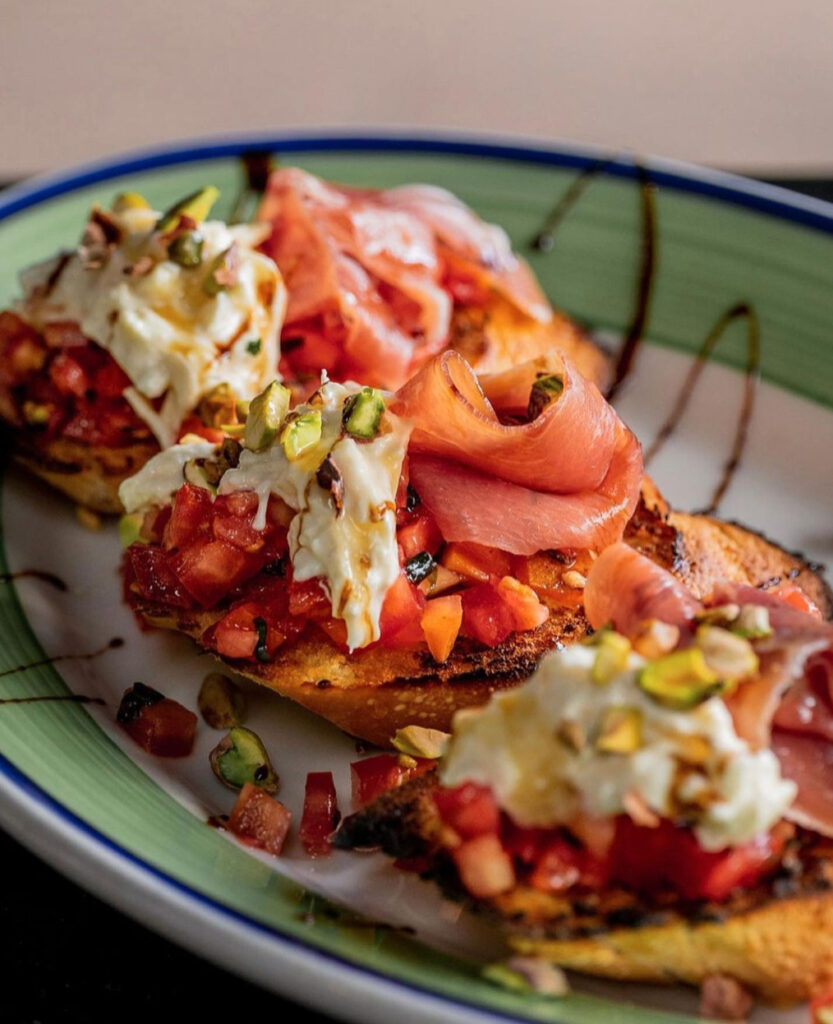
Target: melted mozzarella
x=162 y=476
x=511 y=745
x=170 y=337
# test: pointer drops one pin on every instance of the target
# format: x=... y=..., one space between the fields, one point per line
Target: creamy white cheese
x=162 y=476
x=169 y=336
x=512 y=745
x=353 y=550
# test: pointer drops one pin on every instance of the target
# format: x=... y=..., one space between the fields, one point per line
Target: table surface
x=72 y=958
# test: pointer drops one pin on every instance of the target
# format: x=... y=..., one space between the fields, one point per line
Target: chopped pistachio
x=300 y=434
x=243 y=405
x=223 y=271
x=730 y=656
x=572 y=735
x=439 y=580
x=254 y=346
x=87 y=518
x=129 y=201
x=235 y=430
x=655 y=638
x=36 y=414
x=612 y=654
x=406 y=761
x=186 y=249
x=362 y=413
x=240 y=757
x=573 y=578
x=681 y=680
x=419 y=741
x=753 y=622
x=545 y=390
x=691 y=749
x=719 y=615
x=266 y=413
x=620 y=731
x=129 y=526
x=221 y=703
x=528 y=974
x=328 y=477
x=197 y=206
x=197 y=474
x=217 y=406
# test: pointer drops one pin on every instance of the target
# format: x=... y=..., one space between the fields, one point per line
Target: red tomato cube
x=259 y=820
x=320 y=815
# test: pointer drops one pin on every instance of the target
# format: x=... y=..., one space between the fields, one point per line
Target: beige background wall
x=740 y=83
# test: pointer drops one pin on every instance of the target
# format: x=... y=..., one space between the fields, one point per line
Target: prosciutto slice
x=366 y=270
x=567 y=479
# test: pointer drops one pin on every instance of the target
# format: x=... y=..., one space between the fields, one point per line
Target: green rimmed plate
x=133 y=828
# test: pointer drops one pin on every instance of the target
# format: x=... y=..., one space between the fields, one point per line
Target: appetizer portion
x=114 y=345
x=653 y=804
x=381 y=280
x=385 y=560
x=360 y=544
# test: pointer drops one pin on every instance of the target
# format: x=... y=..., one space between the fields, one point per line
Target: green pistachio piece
x=186 y=249
x=752 y=622
x=129 y=201
x=655 y=638
x=572 y=735
x=419 y=741
x=730 y=656
x=719 y=614
x=612 y=653
x=223 y=271
x=217 y=406
x=620 y=731
x=681 y=680
x=240 y=757
x=254 y=346
x=197 y=474
x=362 y=414
x=546 y=389
x=266 y=413
x=300 y=434
x=221 y=703
x=528 y=974
x=197 y=206
x=129 y=526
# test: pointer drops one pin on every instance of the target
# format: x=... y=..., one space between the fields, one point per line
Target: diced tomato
x=165 y=729
x=441 y=621
x=64 y=334
x=149 y=567
x=336 y=630
x=421 y=534
x=68 y=375
x=477 y=562
x=236 y=634
x=562 y=864
x=110 y=380
x=794 y=596
x=401 y=612
x=484 y=867
x=469 y=809
x=208 y=571
x=320 y=815
x=522 y=601
x=242 y=504
x=309 y=599
x=376 y=775
x=486 y=617
x=260 y=820
x=191 y=513
x=238 y=533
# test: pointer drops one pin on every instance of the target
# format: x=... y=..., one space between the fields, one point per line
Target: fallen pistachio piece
x=612 y=653
x=620 y=731
x=728 y=655
x=221 y=703
x=223 y=271
x=419 y=741
x=197 y=206
x=545 y=390
x=129 y=201
x=217 y=406
x=362 y=414
x=265 y=415
x=655 y=638
x=240 y=757
x=752 y=622
x=719 y=615
x=129 y=526
x=196 y=475
x=681 y=680
x=186 y=249
x=528 y=974
x=300 y=434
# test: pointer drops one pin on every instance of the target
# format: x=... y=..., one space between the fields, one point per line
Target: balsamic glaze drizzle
x=73 y=698
x=544 y=240
x=753 y=363
x=257 y=166
x=38 y=574
x=88 y=656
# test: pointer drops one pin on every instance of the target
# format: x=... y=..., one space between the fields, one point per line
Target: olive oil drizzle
x=111 y=645
x=544 y=240
x=741 y=310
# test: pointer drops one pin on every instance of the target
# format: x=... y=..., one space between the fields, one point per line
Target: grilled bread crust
x=372 y=693
x=777 y=939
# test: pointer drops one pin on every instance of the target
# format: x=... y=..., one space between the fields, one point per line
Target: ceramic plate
x=350 y=935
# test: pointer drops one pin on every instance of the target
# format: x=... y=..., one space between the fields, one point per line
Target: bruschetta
x=654 y=805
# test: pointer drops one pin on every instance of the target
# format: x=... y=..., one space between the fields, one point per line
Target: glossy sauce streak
x=741 y=310
x=110 y=646
x=37 y=574
x=257 y=166
x=544 y=241
x=73 y=698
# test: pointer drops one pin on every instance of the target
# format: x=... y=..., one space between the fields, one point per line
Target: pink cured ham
x=627 y=589
x=366 y=271
x=567 y=479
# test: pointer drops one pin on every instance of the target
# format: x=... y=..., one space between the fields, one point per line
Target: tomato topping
x=526 y=610
x=794 y=596
x=320 y=815
x=421 y=534
x=189 y=515
x=441 y=621
x=157 y=724
x=469 y=809
x=401 y=611
x=477 y=562
x=309 y=599
x=486 y=617
x=376 y=775
x=208 y=571
x=260 y=820
x=245 y=632
x=148 y=567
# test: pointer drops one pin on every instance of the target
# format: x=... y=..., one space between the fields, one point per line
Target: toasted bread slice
x=374 y=692
x=88 y=474
x=777 y=938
